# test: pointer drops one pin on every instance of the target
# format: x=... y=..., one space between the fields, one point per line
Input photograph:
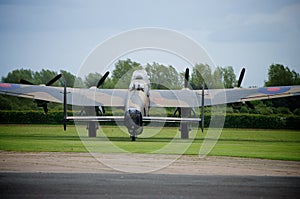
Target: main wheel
x=132 y=137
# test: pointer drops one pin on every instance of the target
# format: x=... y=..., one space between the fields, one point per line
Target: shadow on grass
x=40 y=137
x=127 y=139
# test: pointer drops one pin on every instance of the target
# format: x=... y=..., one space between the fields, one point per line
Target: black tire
x=133 y=138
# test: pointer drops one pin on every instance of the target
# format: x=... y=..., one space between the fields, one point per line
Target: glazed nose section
x=134 y=121
x=133 y=118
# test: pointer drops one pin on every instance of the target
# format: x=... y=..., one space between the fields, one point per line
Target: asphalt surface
x=76 y=185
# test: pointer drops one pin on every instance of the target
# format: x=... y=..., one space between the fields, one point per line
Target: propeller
x=23 y=81
x=49 y=83
x=42 y=103
x=101 y=81
x=241 y=77
x=52 y=81
x=179 y=109
x=186 y=83
x=186 y=77
x=100 y=109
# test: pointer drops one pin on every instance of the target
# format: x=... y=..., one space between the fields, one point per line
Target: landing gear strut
x=133 y=138
x=185 y=126
x=184 y=129
x=92 y=127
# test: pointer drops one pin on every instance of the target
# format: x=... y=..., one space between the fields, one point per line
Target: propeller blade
x=101 y=81
x=42 y=103
x=23 y=81
x=241 y=78
x=97 y=111
x=186 y=77
x=52 y=81
x=102 y=110
x=178 y=109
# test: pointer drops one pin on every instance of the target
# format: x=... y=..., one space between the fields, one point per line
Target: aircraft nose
x=134 y=115
x=133 y=119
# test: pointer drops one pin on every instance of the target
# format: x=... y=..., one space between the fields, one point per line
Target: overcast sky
x=59 y=34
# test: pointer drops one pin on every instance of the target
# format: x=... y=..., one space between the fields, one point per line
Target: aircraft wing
x=75 y=96
x=214 y=96
x=193 y=98
x=174 y=98
x=158 y=98
x=121 y=119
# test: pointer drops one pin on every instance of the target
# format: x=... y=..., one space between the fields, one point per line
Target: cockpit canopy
x=140 y=81
x=139 y=74
x=137 y=86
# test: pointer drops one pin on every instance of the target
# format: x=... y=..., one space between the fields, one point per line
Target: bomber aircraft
x=138 y=99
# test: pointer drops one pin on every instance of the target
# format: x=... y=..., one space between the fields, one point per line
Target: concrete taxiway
x=96 y=185
x=81 y=175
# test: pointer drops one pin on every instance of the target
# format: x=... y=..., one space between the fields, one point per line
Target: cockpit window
x=137 y=86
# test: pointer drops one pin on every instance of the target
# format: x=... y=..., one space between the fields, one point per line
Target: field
x=254 y=143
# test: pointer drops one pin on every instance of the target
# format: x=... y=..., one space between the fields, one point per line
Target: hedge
x=231 y=120
x=30 y=117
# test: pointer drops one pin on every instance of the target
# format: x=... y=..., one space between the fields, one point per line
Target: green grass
x=254 y=143
x=39 y=138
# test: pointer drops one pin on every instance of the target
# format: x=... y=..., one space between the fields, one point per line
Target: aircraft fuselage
x=137 y=104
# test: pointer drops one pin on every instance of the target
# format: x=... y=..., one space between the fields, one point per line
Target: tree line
x=161 y=77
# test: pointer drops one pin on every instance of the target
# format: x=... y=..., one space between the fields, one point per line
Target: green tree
x=228 y=77
x=92 y=79
x=279 y=75
x=201 y=75
x=45 y=76
x=163 y=77
x=222 y=77
x=16 y=75
x=5 y=103
x=217 y=78
x=68 y=77
x=122 y=73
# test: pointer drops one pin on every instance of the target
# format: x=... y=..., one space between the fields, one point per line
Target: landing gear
x=133 y=138
x=184 y=129
x=185 y=126
x=92 y=127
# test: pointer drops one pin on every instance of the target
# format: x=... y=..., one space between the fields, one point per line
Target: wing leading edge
x=158 y=98
x=75 y=96
x=192 y=98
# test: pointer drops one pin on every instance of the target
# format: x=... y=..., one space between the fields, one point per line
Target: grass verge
x=252 y=143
